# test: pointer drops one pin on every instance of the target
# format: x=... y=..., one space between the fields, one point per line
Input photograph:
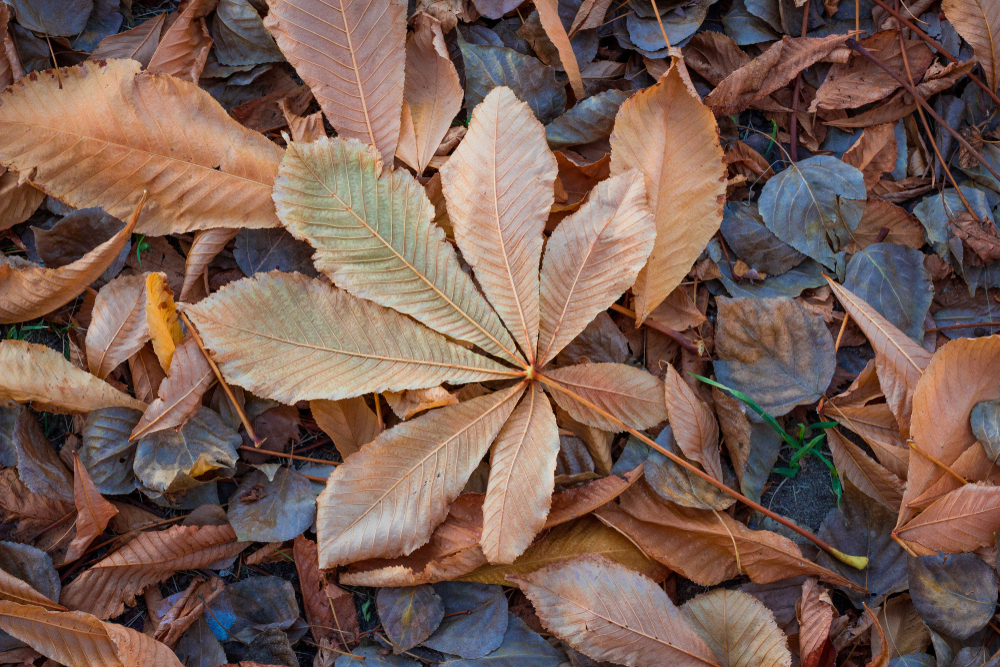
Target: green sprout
x=141 y=246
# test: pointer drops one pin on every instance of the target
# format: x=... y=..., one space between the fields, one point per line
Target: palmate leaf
x=375 y=238
x=291 y=338
x=385 y=500
x=630 y=394
x=498 y=185
x=141 y=132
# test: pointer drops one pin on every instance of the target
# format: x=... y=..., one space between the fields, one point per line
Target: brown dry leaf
x=354 y=66
x=673 y=139
x=960 y=375
x=76 y=639
x=180 y=394
x=580 y=601
x=589 y=16
x=183 y=48
x=522 y=474
x=453 y=550
x=905 y=631
x=770 y=71
x=30 y=513
x=18 y=199
x=208 y=171
x=349 y=422
x=139 y=43
x=548 y=14
x=739 y=629
x=92 y=511
x=899 y=360
x=980 y=236
x=161 y=318
x=414 y=401
x=861 y=81
x=41 y=375
x=678 y=311
x=589 y=496
x=714 y=56
x=904 y=229
x=747 y=162
x=978 y=22
x=147 y=375
x=815 y=613
x=187 y=609
x=694 y=425
x=19 y=591
x=303 y=128
x=874 y=153
x=331 y=617
x=630 y=394
x=28 y=291
x=962 y=520
x=207 y=244
x=498 y=184
x=118 y=327
x=360 y=516
x=701 y=545
x=871 y=478
x=10 y=64
x=876 y=425
x=105 y=588
x=432 y=93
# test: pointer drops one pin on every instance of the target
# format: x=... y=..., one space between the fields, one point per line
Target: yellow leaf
x=161 y=318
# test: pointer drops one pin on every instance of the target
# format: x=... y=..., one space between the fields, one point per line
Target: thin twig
x=937 y=462
x=859 y=562
x=268 y=452
x=663 y=329
x=964 y=326
x=257 y=442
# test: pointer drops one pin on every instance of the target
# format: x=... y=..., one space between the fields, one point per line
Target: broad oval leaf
x=252 y=327
x=477 y=632
x=240 y=36
x=591 y=258
x=106 y=450
x=814 y=205
x=739 y=629
x=180 y=393
x=207 y=171
x=375 y=237
x=38 y=374
x=978 y=22
x=892 y=279
x=580 y=602
x=672 y=137
x=421 y=467
x=498 y=185
x=272 y=511
x=590 y=120
x=962 y=520
x=754 y=243
x=629 y=394
x=27 y=576
x=955 y=594
x=774 y=351
x=522 y=474
x=118 y=327
x=353 y=63
x=409 y=615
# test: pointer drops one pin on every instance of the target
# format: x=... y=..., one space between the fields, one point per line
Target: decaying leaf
x=275 y=510
x=954 y=594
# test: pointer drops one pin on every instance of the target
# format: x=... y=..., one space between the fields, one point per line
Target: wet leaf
x=892 y=279
x=357 y=81
x=774 y=351
x=740 y=630
x=240 y=36
x=272 y=511
x=954 y=594
x=263 y=250
x=478 y=631
x=521 y=647
x=409 y=615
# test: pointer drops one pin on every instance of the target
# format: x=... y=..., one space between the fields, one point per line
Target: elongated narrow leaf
x=375 y=238
x=140 y=132
x=161 y=317
x=673 y=139
x=28 y=291
x=738 y=628
x=962 y=520
x=591 y=258
x=41 y=375
x=207 y=244
x=693 y=423
x=548 y=14
x=432 y=92
x=92 y=511
x=522 y=474
x=180 y=393
x=350 y=423
x=874 y=481
x=978 y=22
x=420 y=468
x=252 y=327
x=876 y=425
x=77 y=639
x=351 y=54
x=581 y=500
x=139 y=43
x=183 y=48
x=498 y=185
x=958 y=377
x=150 y=558
x=630 y=394
x=118 y=327
x=581 y=603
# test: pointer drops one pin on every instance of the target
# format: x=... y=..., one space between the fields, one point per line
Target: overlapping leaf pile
x=576 y=332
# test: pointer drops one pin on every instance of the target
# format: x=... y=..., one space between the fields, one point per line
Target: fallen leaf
x=180 y=394
x=753 y=446
x=139 y=43
x=740 y=630
x=871 y=478
x=118 y=327
x=955 y=595
x=874 y=153
x=349 y=422
x=92 y=510
x=978 y=22
x=206 y=246
x=276 y=510
x=28 y=577
x=161 y=318
x=409 y=615
x=147 y=374
x=521 y=647
x=630 y=394
x=905 y=632
x=475 y=619
x=240 y=36
x=590 y=120
x=183 y=48
x=962 y=520
x=745 y=232
x=38 y=465
x=693 y=424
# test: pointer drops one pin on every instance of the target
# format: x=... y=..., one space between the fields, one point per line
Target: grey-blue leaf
x=766 y=10
x=273 y=249
x=409 y=615
x=522 y=647
x=588 y=121
x=935 y=212
x=746 y=28
x=986 y=425
x=973 y=310
x=814 y=205
x=913 y=660
x=248 y=607
x=272 y=511
x=754 y=243
x=487 y=67
x=374 y=657
x=955 y=594
x=106 y=452
x=892 y=279
x=679 y=24
x=478 y=631
x=240 y=36
x=807 y=275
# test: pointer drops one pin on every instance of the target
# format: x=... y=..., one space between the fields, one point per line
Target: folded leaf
x=548 y=14
x=28 y=291
x=41 y=375
x=874 y=481
x=591 y=258
x=118 y=327
x=252 y=328
x=669 y=135
x=208 y=171
x=815 y=613
x=420 y=468
x=522 y=474
x=581 y=603
x=349 y=422
x=148 y=559
x=207 y=244
x=630 y=394
x=375 y=238
x=352 y=56
x=961 y=521
x=739 y=629
x=498 y=185
x=876 y=425
x=183 y=48
x=180 y=393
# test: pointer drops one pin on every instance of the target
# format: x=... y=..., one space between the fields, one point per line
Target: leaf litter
x=480 y=332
